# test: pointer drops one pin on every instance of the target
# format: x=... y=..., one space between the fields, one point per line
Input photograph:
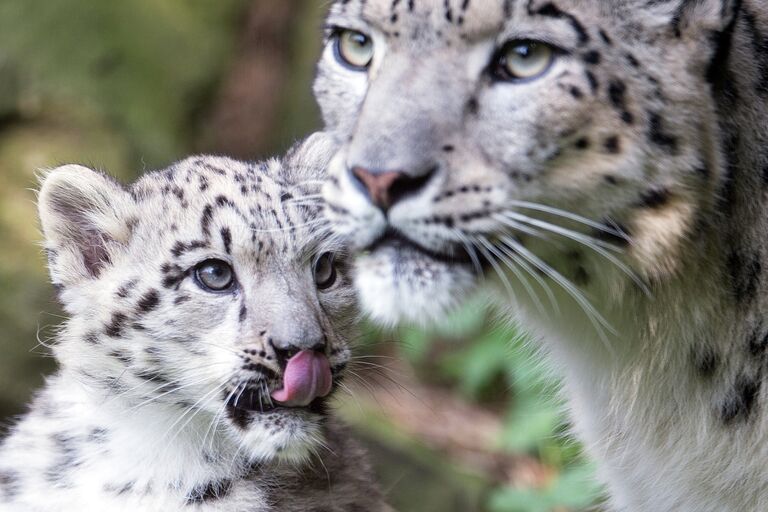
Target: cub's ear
x=85 y=218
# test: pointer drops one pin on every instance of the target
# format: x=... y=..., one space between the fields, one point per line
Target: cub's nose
x=386 y=188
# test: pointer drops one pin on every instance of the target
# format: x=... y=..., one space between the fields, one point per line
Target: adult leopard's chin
x=398 y=283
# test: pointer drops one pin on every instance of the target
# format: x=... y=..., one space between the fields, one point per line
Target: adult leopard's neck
x=673 y=406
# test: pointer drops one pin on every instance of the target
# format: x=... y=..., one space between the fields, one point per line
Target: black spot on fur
x=66 y=458
x=114 y=328
x=243 y=313
x=98 y=435
x=741 y=402
x=654 y=198
x=154 y=376
x=174 y=274
x=594 y=85
x=125 y=290
x=757 y=342
x=472 y=106
x=580 y=276
x=582 y=143
x=576 y=92
x=210 y=491
x=617 y=91
x=592 y=57
x=119 y=489
x=706 y=362
x=260 y=368
x=149 y=301
x=180 y=247
x=553 y=11
x=612 y=145
x=226 y=237
x=91 y=338
x=122 y=356
x=604 y=36
x=658 y=135
x=9 y=484
x=205 y=220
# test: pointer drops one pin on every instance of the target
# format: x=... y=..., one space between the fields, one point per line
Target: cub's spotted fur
x=189 y=294
x=607 y=163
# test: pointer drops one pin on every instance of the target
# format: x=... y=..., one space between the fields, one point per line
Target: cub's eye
x=325 y=271
x=215 y=275
x=522 y=60
x=354 y=49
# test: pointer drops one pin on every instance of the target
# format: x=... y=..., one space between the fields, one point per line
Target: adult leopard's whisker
x=569 y=215
x=594 y=316
x=520 y=276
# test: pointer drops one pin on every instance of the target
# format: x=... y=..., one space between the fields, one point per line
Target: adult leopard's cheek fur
x=400 y=285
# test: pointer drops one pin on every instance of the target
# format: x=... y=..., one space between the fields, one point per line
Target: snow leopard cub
x=209 y=322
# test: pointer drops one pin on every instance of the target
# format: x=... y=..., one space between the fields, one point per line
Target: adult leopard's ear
x=696 y=17
x=85 y=218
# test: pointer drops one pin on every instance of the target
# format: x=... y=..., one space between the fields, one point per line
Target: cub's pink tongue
x=307 y=376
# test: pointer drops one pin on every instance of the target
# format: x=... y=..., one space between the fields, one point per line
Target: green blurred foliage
x=145 y=65
x=499 y=366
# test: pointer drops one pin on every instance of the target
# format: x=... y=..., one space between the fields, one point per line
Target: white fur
x=142 y=414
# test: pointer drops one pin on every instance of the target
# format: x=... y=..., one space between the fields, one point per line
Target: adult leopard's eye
x=325 y=271
x=354 y=49
x=215 y=275
x=523 y=60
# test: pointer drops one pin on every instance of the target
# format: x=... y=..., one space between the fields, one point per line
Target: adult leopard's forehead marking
x=468 y=20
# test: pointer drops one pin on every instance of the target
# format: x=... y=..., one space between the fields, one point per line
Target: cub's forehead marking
x=227 y=198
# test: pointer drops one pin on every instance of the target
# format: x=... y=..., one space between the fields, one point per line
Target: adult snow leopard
x=607 y=161
x=210 y=320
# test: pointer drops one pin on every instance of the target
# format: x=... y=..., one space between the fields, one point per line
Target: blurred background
x=462 y=418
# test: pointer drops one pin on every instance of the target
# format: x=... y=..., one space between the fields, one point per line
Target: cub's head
x=210 y=290
x=561 y=143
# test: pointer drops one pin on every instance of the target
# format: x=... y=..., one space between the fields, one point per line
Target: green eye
x=215 y=275
x=354 y=49
x=523 y=60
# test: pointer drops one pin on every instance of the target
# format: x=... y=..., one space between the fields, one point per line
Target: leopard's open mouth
x=254 y=401
x=256 y=398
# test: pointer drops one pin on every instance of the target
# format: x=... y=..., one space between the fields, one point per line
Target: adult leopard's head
x=552 y=141
x=205 y=298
